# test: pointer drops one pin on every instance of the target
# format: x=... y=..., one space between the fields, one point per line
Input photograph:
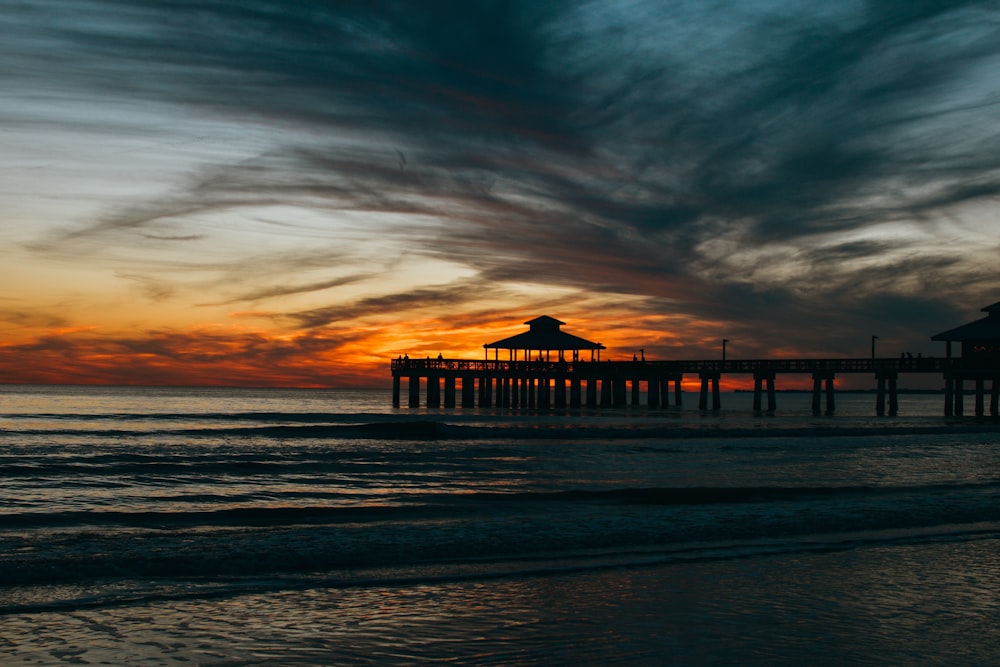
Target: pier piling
x=760 y=377
x=541 y=385
x=709 y=376
x=653 y=393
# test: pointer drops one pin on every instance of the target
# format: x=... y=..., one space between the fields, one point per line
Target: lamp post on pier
x=724 y=341
x=874 y=338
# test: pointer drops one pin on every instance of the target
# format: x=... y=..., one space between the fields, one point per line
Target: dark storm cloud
x=592 y=145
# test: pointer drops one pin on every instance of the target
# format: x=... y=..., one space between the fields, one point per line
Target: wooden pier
x=536 y=380
x=560 y=384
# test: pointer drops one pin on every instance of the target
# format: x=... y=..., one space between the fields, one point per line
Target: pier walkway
x=537 y=381
x=560 y=384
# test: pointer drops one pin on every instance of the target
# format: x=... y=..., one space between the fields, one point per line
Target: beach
x=232 y=527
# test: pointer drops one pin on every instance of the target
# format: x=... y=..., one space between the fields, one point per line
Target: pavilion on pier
x=533 y=377
x=979 y=361
x=980 y=340
x=544 y=335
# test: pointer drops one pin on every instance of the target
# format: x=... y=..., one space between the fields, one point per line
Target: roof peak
x=985 y=328
x=544 y=334
x=545 y=319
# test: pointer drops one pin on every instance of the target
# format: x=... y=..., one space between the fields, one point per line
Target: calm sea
x=237 y=526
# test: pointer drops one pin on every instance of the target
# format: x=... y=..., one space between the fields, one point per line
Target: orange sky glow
x=338 y=358
x=189 y=202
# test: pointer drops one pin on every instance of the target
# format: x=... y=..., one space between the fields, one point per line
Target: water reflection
x=912 y=604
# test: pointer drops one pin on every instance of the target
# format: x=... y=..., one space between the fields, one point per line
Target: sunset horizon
x=294 y=195
x=499 y=332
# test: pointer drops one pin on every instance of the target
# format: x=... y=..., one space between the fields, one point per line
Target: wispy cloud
x=730 y=163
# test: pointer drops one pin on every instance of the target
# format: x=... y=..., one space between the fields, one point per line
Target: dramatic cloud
x=791 y=177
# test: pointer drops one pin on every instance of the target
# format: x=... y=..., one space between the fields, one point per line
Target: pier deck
x=559 y=384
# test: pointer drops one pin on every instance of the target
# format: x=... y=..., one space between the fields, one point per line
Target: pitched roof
x=544 y=334
x=988 y=328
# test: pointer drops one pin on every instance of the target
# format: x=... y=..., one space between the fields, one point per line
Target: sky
x=291 y=192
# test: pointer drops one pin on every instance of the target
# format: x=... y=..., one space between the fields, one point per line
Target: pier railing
x=861 y=365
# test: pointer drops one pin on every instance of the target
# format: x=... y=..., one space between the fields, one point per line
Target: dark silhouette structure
x=534 y=377
x=978 y=362
x=544 y=336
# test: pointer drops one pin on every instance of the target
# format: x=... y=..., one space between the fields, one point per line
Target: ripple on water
x=890 y=604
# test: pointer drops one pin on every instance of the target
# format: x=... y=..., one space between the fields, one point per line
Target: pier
x=559 y=384
x=545 y=370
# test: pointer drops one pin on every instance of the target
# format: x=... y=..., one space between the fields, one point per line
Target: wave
x=253 y=516
x=251 y=576
x=443 y=430
x=704 y=495
x=357 y=507
x=273 y=416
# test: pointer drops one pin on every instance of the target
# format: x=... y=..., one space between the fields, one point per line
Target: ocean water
x=242 y=527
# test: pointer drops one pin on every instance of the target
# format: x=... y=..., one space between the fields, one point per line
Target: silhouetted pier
x=560 y=384
x=542 y=382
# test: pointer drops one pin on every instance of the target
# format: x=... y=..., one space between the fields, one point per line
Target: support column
x=591 y=392
x=949 y=396
x=468 y=391
x=433 y=391
x=880 y=396
x=653 y=393
x=678 y=392
x=606 y=397
x=995 y=398
x=635 y=390
x=818 y=378
x=980 y=387
x=543 y=392
x=449 y=391
x=618 y=392
x=485 y=391
x=560 y=391
x=959 y=397
x=893 y=396
x=574 y=392
x=761 y=376
x=395 y=390
x=709 y=376
x=414 y=391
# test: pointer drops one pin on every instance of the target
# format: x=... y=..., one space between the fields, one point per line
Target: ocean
x=208 y=526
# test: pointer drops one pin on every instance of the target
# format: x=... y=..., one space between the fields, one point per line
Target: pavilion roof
x=544 y=334
x=987 y=328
